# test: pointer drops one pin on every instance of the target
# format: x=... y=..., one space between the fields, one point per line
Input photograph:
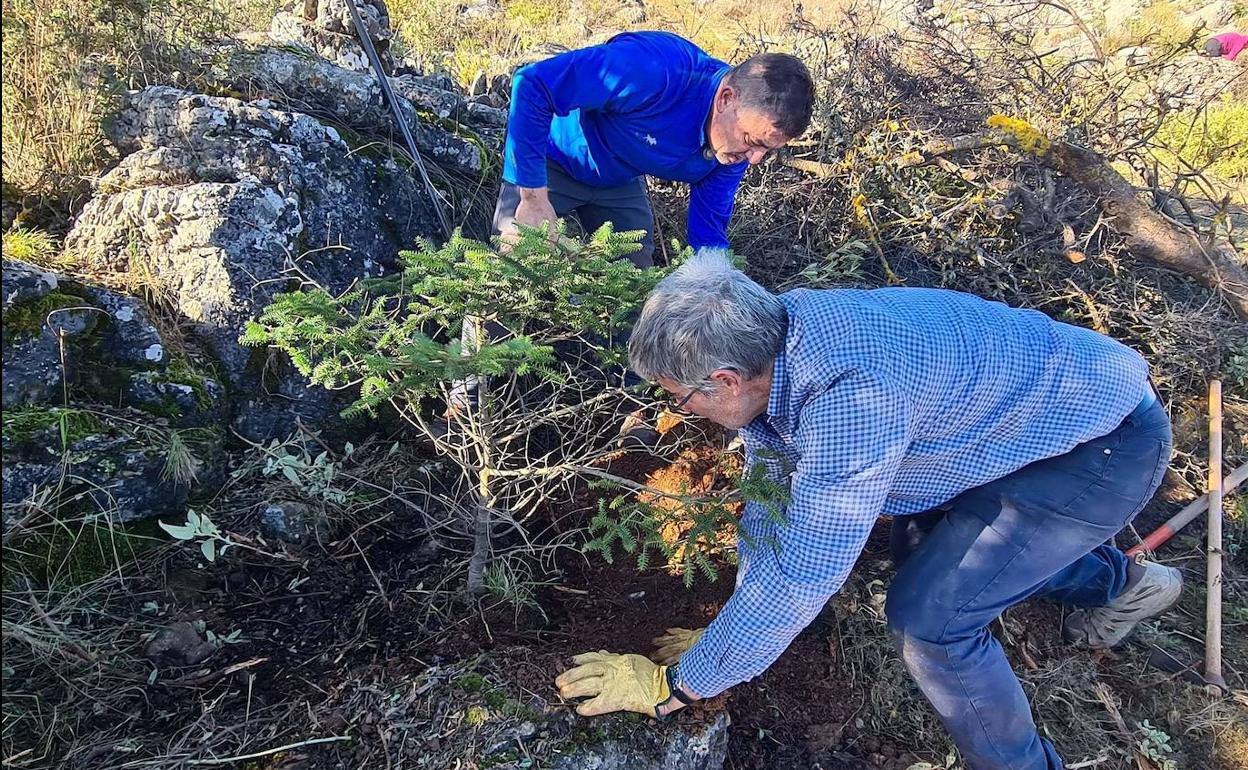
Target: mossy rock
x=103 y=348
x=181 y=394
x=48 y=328
x=47 y=426
x=25 y=321
x=116 y=466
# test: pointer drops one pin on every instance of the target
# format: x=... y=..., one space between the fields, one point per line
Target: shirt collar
x=709 y=100
x=775 y=420
x=778 y=399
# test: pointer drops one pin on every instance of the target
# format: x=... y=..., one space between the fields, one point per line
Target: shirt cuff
x=702 y=676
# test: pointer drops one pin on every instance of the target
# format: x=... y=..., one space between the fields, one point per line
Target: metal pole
x=388 y=93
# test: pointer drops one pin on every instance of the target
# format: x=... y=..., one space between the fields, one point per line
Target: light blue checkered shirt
x=894 y=401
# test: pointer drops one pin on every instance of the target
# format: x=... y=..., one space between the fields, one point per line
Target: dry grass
x=434 y=35
x=65 y=60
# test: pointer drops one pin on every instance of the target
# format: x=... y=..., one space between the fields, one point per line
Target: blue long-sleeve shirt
x=637 y=104
x=894 y=401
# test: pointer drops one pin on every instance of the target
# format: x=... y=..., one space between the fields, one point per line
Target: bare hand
x=534 y=210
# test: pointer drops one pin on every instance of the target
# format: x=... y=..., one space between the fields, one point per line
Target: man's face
x=740 y=133
x=732 y=401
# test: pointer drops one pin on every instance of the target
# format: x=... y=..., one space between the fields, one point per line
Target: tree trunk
x=482 y=519
x=1148 y=233
x=483 y=516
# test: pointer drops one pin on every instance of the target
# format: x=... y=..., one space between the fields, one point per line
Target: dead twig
x=267 y=752
x=1106 y=697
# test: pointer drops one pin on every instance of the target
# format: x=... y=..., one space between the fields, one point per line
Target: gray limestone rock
x=25 y=283
x=129 y=337
x=226 y=203
x=353 y=100
x=685 y=745
x=326 y=28
x=486 y=115
x=431 y=94
x=188 y=400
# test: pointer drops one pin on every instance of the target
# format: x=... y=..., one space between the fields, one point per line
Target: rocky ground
x=332 y=630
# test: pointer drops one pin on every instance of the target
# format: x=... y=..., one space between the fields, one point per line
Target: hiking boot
x=1103 y=627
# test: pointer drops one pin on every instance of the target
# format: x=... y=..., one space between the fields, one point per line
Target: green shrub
x=536 y=420
x=1214 y=140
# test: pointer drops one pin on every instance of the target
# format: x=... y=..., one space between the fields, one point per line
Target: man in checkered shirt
x=1008 y=447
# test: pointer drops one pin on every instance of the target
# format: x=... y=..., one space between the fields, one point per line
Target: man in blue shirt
x=586 y=126
x=1008 y=447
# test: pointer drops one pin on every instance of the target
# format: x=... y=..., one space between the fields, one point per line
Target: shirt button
x=1107 y=451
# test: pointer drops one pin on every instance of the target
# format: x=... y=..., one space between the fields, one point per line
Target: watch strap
x=673 y=684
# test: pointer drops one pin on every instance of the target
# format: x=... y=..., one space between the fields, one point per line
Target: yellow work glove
x=672 y=644
x=614 y=683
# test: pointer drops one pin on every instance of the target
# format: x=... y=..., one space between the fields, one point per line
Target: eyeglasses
x=678 y=406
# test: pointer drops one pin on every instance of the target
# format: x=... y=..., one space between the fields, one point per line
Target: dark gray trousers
x=627 y=207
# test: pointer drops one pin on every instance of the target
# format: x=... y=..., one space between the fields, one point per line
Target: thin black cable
x=388 y=93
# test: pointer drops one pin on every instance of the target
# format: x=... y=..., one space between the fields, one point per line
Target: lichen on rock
x=326 y=27
x=218 y=199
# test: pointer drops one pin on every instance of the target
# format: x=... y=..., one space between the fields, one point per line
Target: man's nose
x=755 y=156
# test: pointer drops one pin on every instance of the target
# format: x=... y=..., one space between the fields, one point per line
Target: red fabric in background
x=1232 y=44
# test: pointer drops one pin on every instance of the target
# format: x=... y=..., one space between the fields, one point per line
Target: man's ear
x=727 y=98
x=728 y=380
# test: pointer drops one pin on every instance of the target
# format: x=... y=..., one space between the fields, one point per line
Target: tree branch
x=1148 y=234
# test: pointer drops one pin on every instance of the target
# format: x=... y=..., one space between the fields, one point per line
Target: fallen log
x=1148 y=234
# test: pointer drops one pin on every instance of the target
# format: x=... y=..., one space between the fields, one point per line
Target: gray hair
x=707 y=315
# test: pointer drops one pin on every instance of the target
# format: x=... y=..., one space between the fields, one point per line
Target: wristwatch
x=674 y=691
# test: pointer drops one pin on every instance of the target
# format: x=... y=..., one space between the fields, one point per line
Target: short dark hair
x=1213 y=47
x=778 y=85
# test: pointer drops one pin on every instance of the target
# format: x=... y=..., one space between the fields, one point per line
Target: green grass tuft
x=23 y=423
x=24 y=245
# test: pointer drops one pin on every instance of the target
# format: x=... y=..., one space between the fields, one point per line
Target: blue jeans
x=1040 y=531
